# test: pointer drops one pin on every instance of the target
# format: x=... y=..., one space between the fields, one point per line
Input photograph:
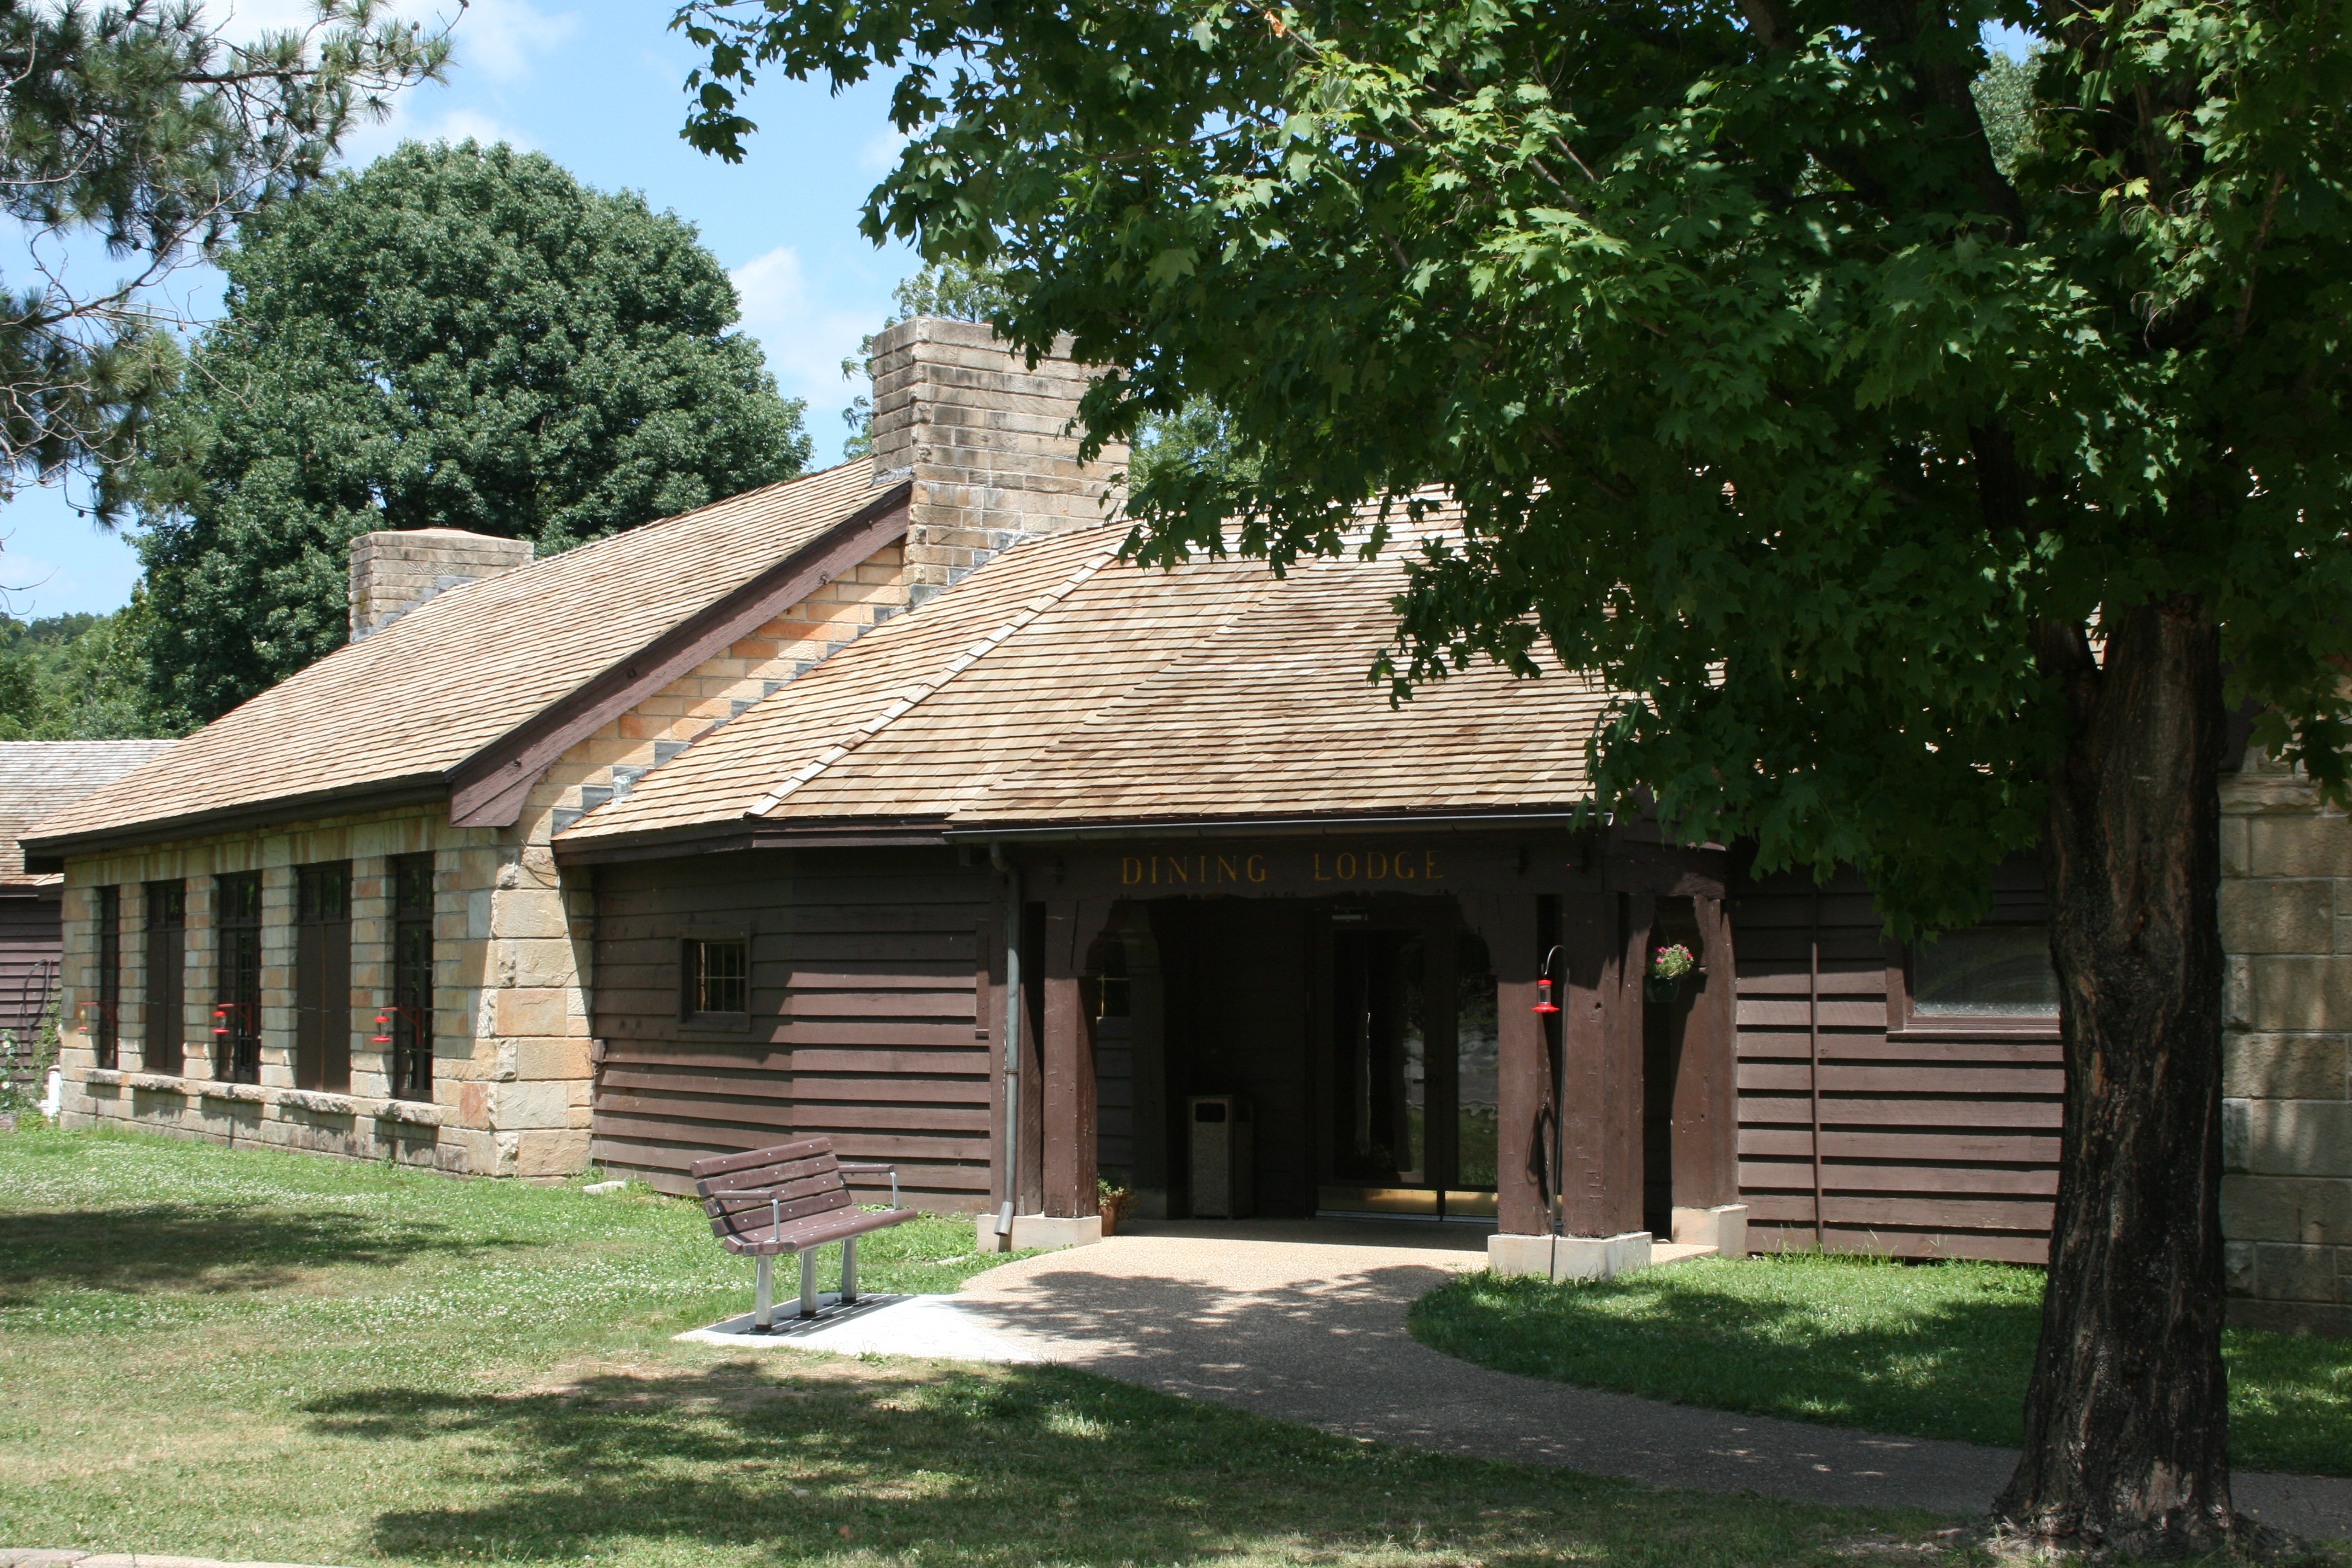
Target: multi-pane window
x=167 y=978
x=1986 y=971
x=718 y=977
x=106 y=1030
x=322 y=976
x=410 y=1018
x=237 y=978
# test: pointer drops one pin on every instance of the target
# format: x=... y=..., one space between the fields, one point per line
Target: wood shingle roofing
x=415 y=704
x=1056 y=685
x=40 y=778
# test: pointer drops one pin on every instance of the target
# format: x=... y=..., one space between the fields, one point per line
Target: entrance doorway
x=1405 y=1063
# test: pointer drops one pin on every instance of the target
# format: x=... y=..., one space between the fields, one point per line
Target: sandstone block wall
x=2286 y=921
x=513 y=1070
x=988 y=442
x=395 y=570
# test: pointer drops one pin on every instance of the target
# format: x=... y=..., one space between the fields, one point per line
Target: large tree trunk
x=2126 y=1419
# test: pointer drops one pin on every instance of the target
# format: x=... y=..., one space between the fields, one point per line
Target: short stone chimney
x=397 y=570
x=988 y=442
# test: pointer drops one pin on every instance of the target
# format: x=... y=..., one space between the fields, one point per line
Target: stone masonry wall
x=395 y=570
x=513 y=1068
x=2286 y=923
x=987 y=440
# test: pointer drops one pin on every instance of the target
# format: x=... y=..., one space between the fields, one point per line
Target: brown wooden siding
x=32 y=942
x=865 y=1026
x=1856 y=1139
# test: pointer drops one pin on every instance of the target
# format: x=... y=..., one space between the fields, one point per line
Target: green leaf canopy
x=459 y=337
x=1777 y=389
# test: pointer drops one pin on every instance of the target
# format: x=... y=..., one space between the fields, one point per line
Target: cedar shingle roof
x=1056 y=686
x=39 y=778
x=464 y=670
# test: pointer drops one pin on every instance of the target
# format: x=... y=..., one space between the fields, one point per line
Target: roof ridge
x=1038 y=605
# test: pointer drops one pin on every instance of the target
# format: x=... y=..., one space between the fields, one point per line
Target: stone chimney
x=987 y=441
x=396 y=570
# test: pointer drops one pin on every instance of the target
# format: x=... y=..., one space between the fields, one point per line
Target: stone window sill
x=214 y=1088
x=320 y=1101
x=416 y=1111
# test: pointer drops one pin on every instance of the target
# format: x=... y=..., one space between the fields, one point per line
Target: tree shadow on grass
x=1015 y=1465
x=1954 y=1368
x=213 y=1248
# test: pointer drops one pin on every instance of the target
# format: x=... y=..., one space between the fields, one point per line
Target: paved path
x=1305 y=1321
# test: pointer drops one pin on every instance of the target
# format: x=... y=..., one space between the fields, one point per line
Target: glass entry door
x=1407 y=1077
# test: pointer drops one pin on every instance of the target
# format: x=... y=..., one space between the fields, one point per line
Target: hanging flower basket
x=1669 y=967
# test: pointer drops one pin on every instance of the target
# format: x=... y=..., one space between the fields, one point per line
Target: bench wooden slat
x=726 y=1165
x=769 y=1175
x=736 y=1202
x=744 y=1222
x=817 y=1233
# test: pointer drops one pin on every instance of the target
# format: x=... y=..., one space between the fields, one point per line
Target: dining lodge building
x=890 y=804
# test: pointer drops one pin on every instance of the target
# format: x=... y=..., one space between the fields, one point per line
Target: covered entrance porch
x=1446 y=1025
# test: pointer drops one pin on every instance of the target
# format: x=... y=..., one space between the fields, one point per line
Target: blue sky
x=596 y=87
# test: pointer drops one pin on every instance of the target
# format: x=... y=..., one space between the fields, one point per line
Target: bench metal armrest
x=869 y=1170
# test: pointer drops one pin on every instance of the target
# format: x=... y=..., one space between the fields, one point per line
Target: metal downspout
x=1012 y=1043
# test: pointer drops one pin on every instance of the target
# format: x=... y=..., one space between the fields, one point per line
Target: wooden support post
x=1705 y=1110
x=1070 y=1104
x=1507 y=923
x=1628 y=1085
x=1591 y=958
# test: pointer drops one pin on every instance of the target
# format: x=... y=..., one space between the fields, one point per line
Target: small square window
x=718 y=976
x=1987 y=972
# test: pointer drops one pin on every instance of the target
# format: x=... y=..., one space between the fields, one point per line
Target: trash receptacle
x=1222 y=1156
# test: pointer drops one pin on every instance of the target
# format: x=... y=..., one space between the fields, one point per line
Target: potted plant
x=1668 y=967
x=1114 y=1198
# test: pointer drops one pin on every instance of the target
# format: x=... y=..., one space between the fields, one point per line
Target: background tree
x=1915 y=501
x=78 y=677
x=142 y=126
x=460 y=337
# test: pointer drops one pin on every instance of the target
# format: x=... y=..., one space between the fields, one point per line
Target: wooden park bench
x=793 y=1198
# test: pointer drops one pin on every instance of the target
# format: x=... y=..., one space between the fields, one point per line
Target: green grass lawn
x=1927 y=1350
x=288 y=1358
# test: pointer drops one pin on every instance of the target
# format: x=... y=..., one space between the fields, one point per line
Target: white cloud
x=502 y=39
x=805 y=340
x=878 y=155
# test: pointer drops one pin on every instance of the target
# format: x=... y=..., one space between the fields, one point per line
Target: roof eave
x=1571 y=817
x=743 y=833
x=50 y=854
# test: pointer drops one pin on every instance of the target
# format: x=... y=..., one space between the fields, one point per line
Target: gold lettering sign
x=1358 y=867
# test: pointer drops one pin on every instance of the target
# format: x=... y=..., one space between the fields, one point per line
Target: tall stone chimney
x=397 y=570
x=987 y=441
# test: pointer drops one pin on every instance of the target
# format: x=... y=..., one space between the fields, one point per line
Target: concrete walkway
x=1306 y=1321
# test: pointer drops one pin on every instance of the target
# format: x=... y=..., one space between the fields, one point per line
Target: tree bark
x=2127 y=1417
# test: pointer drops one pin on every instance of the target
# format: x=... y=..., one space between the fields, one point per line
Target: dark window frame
x=322 y=976
x=237 y=913
x=106 y=1038
x=408 y=1017
x=692 y=945
x=1904 y=1022
x=162 y=1043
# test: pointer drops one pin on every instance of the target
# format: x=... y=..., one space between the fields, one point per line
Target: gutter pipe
x=1012 y=1043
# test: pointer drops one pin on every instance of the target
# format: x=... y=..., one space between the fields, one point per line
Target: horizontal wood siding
x=864 y=1027
x=1854 y=1142
x=31 y=945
